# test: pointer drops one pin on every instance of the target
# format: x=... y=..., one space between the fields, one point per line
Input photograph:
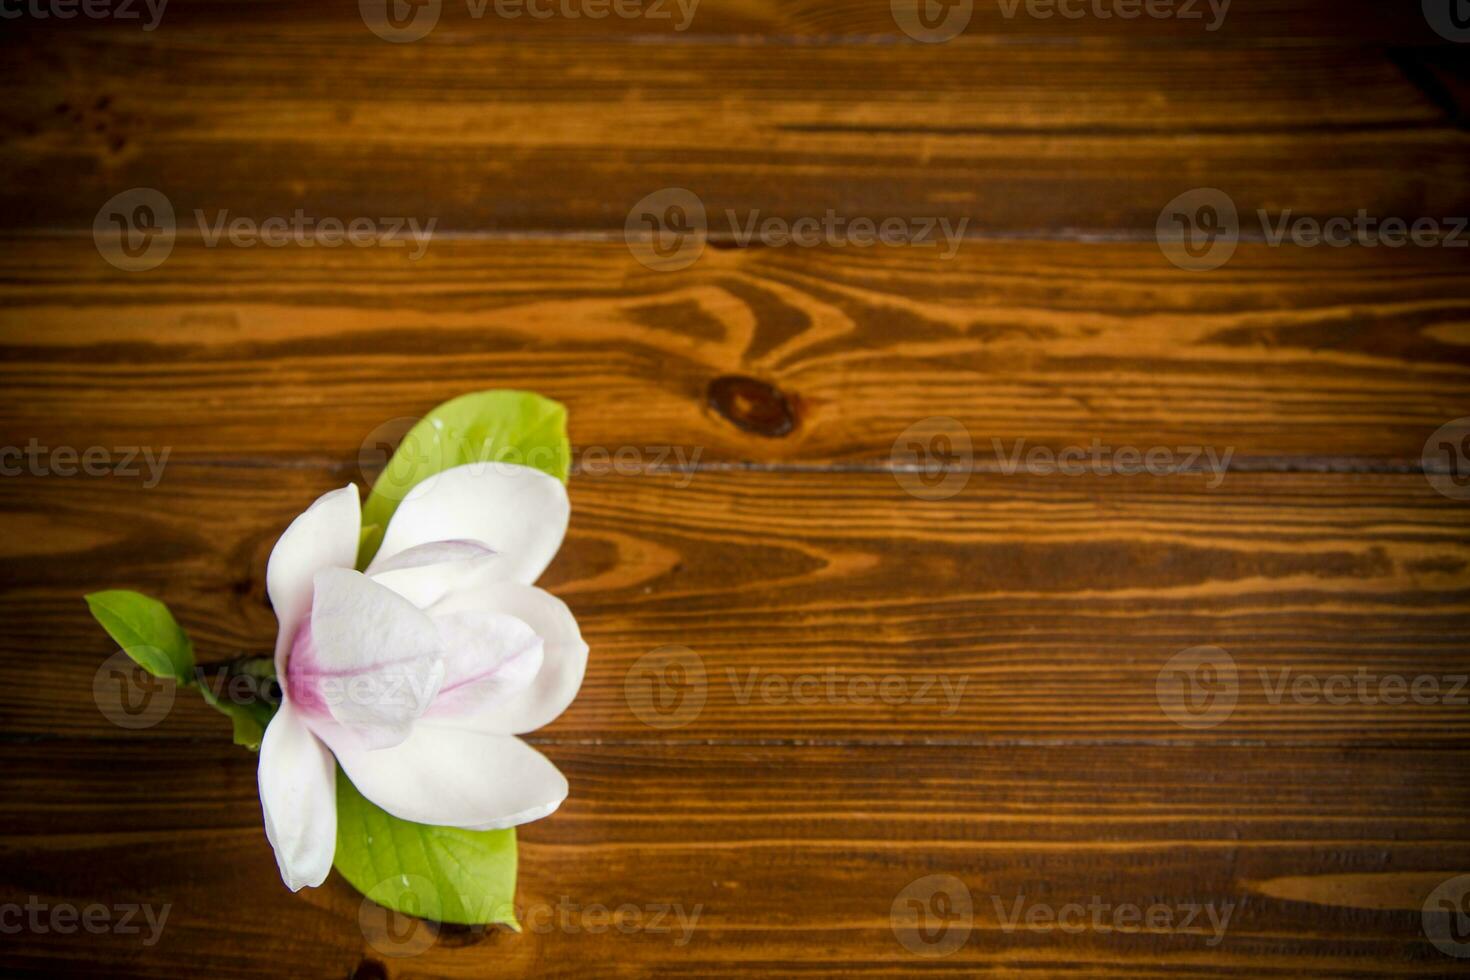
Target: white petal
x=374 y=657
x=489 y=658
x=426 y=573
x=323 y=536
x=455 y=779
x=298 y=795
x=564 y=658
x=518 y=511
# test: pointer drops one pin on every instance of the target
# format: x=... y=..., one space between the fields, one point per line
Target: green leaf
x=244 y=704
x=499 y=426
x=146 y=631
x=368 y=534
x=443 y=874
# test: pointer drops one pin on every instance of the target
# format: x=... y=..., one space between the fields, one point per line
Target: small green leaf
x=444 y=874
x=499 y=426
x=249 y=725
x=244 y=704
x=147 y=632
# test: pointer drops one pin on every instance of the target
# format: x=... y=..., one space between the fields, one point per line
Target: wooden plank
x=837 y=606
x=1346 y=22
x=285 y=354
x=786 y=862
x=542 y=137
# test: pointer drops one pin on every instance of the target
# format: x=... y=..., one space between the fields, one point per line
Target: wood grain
x=789 y=862
x=765 y=522
x=1283 y=355
x=1341 y=23
x=562 y=137
x=1023 y=608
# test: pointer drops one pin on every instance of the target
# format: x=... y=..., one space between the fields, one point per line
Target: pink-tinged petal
x=324 y=536
x=298 y=795
x=371 y=657
x=563 y=662
x=518 y=511
x=489 y=658
x=426 y=573
x=455 y=779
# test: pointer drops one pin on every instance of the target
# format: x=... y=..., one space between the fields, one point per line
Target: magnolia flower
x=418 y=675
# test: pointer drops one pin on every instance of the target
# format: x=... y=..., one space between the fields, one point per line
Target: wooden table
x=768 y=512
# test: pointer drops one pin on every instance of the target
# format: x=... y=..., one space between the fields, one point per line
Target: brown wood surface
x=478 y=135
x=1300 y=22
x=792 y=859
x=770 y=522
x=1281 y=354
x=1047 y=604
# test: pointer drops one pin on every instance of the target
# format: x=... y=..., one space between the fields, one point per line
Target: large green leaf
x=440 y=873
x=146 y=631
x=498 y=426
